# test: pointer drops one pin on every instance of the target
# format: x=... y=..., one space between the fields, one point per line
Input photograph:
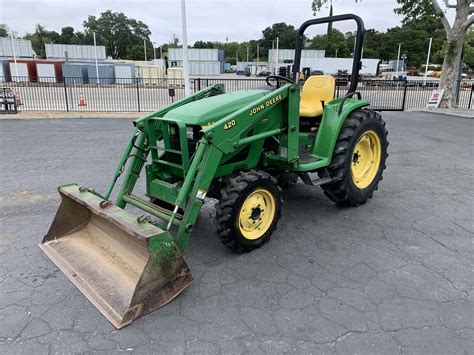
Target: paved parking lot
x=392 y=276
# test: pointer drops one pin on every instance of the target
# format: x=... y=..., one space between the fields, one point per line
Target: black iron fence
x=144 y=95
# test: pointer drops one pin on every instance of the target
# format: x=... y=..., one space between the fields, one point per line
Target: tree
x=67 y=35
x=332 y=42
x=202 y=44
x=469 y=49
x=416 y=10
x=286 y=36
x=372 y=41
x=4 y=31
x=455 y=35
x=40 y=37
x=121 y=36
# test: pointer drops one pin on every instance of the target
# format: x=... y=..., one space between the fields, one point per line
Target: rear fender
x=331 y=125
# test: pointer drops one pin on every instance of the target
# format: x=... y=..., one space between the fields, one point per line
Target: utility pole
x=14 y=56
x=336 y=52
x=154 y=50
x=398 y=59
x=427 y=61
x=187 y=89
x=258 y=52
x=247 y=53
x=96 y=65
x=273 y=57
x=277 y=55
x=144 y=47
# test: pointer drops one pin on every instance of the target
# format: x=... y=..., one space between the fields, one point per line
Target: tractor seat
x=317 y=88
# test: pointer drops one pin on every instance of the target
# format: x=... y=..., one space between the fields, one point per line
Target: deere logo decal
x=268 y=103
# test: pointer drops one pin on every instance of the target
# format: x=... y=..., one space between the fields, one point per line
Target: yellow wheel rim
x=257 y=214
x=366 y=159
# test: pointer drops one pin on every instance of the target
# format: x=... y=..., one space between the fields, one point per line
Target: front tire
x=358 y=160
x=248 y=211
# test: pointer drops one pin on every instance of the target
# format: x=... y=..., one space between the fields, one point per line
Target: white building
x=74 y=52
x=23 y=48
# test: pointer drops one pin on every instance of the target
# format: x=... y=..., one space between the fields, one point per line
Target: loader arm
x=139 y=141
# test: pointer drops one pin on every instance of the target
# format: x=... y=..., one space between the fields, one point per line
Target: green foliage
x=121 y=36
x=316 y=5
x=4 y=31
x=415 y=10
x=67 y=35
x=469 y=48
x=285 y=33
x=203 y=44
x=40 y=37
x=331 y=42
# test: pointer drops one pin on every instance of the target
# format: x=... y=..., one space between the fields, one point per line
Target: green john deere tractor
x=240 y=148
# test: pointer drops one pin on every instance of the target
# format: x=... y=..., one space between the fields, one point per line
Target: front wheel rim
x=366 y=157
x=256 y=214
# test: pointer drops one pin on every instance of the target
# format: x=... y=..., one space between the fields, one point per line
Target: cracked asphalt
x=392 y=276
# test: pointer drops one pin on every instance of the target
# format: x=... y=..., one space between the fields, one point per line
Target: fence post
x=138 y=95
x=199 y=84
x=65 y=94
x=405 y=86
x=458 y=91
x=470 y=97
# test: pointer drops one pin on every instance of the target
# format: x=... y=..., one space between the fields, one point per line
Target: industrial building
x=281 y=57
x=202 y=61
x=23 y=48
x=74 y=52
x=313 y=59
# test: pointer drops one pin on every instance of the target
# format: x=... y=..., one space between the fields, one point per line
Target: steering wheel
x=277 y=78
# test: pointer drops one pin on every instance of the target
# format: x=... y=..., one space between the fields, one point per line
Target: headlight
x=190 y=132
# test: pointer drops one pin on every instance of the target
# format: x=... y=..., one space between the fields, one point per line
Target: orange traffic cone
x=19 y=102
x=82 y=100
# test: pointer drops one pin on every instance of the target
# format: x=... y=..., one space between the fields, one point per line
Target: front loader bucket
x=125 y=268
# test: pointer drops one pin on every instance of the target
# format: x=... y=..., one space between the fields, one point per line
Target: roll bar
x=356 y=65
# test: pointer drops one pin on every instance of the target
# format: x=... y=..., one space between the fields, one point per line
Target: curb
x=39 y=115
x=465 y=113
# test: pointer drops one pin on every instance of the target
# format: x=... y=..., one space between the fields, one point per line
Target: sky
x=208 y=20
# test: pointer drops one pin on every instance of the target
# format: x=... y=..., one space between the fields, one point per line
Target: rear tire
x=358 y=159
x=248 y=211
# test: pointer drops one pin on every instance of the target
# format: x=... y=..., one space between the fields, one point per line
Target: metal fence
x=144 y=95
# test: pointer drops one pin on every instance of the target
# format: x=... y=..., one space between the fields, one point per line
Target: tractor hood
x=205 y=111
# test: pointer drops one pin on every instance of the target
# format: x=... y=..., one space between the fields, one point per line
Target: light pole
x=258 y=52
x=273 y=57
x=96 y=65
x=427 y=61
x=14 y=57
x=154 y=50
x=398 y=59
x=276 y=54
x=144 y=47
x=187 y=89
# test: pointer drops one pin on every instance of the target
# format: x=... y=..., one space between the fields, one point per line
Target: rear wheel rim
x=366 y=159
x=256 y=214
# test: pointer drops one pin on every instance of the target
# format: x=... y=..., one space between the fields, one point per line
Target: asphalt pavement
x=392 y=276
